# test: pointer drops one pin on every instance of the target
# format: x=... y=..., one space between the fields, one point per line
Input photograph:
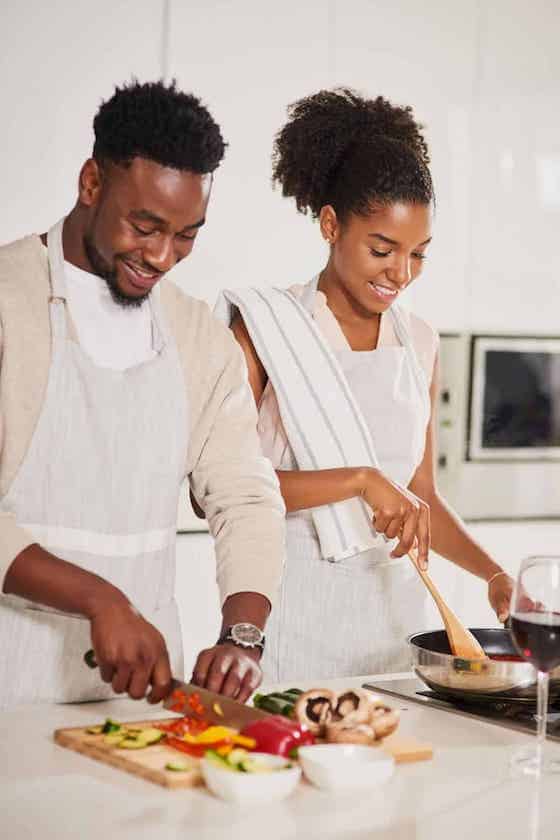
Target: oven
x=499 y=425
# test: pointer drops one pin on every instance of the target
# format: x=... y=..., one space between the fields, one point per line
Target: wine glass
x=535 y=628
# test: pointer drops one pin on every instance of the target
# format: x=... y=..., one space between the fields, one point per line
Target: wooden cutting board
x=149 y=763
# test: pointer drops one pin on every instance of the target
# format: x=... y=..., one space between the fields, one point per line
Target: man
x=114 y=386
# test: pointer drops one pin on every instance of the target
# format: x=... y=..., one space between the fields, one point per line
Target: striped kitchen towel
x=322 y=420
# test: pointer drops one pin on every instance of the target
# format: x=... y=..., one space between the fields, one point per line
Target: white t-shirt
x=113 y=336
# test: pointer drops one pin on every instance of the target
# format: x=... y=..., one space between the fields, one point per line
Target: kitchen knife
x=216 y=708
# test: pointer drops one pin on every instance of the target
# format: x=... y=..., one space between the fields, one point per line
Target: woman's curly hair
x=160 y=123
x=353 y=153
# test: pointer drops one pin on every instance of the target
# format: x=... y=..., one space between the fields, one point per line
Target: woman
x=360 y=167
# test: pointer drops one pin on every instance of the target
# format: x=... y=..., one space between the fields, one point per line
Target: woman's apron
x=353 y=617
x=98 y=487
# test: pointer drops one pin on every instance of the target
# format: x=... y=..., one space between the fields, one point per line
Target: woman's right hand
x=397 y=513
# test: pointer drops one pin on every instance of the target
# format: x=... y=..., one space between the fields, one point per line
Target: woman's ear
x=328 y=224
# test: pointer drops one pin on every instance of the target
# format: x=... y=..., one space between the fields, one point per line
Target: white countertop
x=465 y=791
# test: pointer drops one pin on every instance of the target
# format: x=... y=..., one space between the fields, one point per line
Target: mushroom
x=343 y=733
x=383 y=719
x=380 y=720
x=314 y=709
x=352 y=707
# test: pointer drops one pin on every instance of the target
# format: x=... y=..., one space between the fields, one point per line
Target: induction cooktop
x=501 y=712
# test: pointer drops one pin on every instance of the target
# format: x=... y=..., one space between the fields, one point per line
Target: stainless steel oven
x=499 y=425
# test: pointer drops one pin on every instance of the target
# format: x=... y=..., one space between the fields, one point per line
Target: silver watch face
x=246 y=634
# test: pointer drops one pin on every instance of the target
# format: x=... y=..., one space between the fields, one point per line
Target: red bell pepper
x=183 y=725
x=278 y=735
x=194 y=750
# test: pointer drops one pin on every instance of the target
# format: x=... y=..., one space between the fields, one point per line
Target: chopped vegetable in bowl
x=242 y=761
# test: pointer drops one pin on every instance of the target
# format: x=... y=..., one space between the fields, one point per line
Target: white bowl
x=252 y=787
x=345 y=767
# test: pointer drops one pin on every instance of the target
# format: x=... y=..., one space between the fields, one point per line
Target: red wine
x=537 y=638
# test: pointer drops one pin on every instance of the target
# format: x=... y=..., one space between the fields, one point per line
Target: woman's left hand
x=500 y=591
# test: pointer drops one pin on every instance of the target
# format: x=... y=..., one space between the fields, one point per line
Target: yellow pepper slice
x=244 y=741
x=211 y=735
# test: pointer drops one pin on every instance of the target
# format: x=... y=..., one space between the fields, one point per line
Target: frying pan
x=471 y=680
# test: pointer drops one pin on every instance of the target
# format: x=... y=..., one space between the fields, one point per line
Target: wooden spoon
x=461 y=641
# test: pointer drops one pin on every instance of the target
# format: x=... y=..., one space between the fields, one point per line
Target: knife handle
x=89 y=658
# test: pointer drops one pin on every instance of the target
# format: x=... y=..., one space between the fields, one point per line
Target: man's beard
x=109 y=274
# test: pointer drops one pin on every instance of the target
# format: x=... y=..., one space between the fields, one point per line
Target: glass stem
x=542 y=709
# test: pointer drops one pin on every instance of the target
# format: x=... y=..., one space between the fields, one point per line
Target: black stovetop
x=507 y=713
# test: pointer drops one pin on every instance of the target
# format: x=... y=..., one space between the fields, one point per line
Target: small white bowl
x=252 y=787
x=343 y=767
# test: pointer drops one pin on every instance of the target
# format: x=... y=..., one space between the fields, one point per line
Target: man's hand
x=228 y=669
x=131 y=652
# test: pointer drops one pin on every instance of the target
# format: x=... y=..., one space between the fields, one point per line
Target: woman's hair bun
x=342 y=149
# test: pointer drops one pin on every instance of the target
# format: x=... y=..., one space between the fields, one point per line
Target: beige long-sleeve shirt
x=228 y=474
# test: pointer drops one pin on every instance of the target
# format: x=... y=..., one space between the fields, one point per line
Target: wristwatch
x=245 y=635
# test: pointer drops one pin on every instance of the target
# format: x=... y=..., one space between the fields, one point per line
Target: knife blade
x=216 y=708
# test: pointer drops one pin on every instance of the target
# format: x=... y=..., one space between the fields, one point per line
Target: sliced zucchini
x=236 y=756
x=179 y=766
x=131 y=744
x=111 y=726
x=149 y=736
x=252 y=765
x=114 y=738
x=218 y=759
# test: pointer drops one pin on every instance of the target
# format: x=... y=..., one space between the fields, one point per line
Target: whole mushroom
x=314 y=709
x=352 y=706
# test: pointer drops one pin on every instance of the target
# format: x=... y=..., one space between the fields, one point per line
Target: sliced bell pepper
x=194 y=750
x=185 y=724
x=210 y=735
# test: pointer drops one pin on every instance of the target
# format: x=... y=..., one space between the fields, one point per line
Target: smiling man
x=115 y=387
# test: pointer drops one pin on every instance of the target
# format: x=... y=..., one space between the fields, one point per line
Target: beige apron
x=352 y=617
x=98 y=487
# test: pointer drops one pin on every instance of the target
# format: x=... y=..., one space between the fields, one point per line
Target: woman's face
x=376 y=257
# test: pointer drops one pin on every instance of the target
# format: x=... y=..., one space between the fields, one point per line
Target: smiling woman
x=345 y=384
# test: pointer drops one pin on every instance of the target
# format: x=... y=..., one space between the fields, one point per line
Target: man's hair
x=353 y=153
x=160 y=123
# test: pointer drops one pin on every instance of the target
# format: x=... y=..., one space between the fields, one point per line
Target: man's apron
x=352 y=617
x=98 y=487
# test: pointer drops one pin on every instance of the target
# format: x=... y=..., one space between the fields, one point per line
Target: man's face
x=142 y=220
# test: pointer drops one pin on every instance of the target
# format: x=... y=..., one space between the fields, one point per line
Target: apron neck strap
x=57 y=299
x=403 y=334
x=309 y=294
x=56 y=261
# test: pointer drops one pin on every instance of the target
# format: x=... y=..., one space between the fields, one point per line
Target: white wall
x=482 y=76
x=58 y=60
